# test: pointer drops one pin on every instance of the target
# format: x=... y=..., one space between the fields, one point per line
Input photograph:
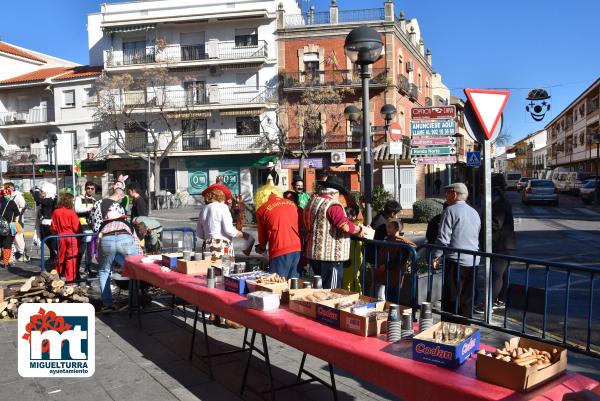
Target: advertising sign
x=433 y=128
x=434 y=160
x=446 y=150
x=430 y=113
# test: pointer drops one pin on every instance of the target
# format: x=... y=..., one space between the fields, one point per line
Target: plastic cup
x=294 y=283
x=187 y=255
x=306 y=284
x=394 y=313
x=317 y=282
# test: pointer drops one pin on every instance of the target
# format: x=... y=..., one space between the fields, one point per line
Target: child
x=393 y=261
x=352 y=267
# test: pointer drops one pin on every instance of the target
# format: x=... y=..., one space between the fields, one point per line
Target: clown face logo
x=538 y=104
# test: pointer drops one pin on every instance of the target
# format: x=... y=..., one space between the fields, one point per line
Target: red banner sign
x=427 y=113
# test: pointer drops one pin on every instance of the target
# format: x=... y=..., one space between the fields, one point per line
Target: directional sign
x=433 y=128
x=474 y=159
x=424 y=141
x=395 y=132
x=395 y=148
x=430 y=113
x=488 y=106
x=446 y=150
x=434 y=160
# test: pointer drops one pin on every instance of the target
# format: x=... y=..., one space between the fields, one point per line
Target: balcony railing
x=24 y=155
x=303 y=79
x=344 y=17
x=167 y=99
x=428 y=101
x=223 y=50
x=592 y=106
x=413 y=92
x=334 y=142
x=403 y=84
x=32 y=116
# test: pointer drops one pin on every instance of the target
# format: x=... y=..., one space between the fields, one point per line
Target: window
x=93 y=139
x=194 y=135
x=135 y=52
x=91 y=96
x=419 y=83
x=195 y=92
x=400 y=64
x=247 y=125
x=72 y=135
x=246 y=37
x=69 y=98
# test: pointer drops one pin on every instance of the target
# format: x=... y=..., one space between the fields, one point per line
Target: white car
x=512 y=178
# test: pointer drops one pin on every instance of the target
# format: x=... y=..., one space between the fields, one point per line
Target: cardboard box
x=520 y=378
x=308 y=308
x=367 y=326
x=238 y=282
x=170 y=259
x=263 y=300
x=330 y=314
x=195 y=266
x=425 y=349
x=281 y=289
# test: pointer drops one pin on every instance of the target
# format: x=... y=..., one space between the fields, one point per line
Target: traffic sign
x=430 y=113
x=434 y=160
x=395 y=148
x=395 y=132
x=474 y=129
x=473 y=159
x=424 y=141
x=433 y=128
x=487 y=105
x=446 y=150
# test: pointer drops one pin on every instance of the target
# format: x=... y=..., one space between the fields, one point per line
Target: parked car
x=588 y=191
x=522 y=183
x=559 y=178
x=575 y=180
x=512 y=177
x=540 y=191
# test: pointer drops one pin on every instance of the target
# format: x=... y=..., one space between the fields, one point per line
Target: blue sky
x=516 y=44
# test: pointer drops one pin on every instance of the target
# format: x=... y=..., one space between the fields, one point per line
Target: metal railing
x=547 y=301
x=344 y=17
x=592 y=106
x=303 y=79
x=333 y=142
x=428 y=101
x=413 y=92
x=212 y=50
x=31 y=116
x=24 y=155
x=190 y=98
x=403 y=84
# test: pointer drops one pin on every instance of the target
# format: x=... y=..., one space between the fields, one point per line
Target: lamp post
x=388 y=111
x=596 y=140
x=32 y=159
x=149 y=149
x=363 y=46
x=53 y=138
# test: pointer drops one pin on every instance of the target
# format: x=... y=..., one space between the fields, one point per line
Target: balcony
x=403 y=85
x=413 y=92
x=210 y=97
x=203 y=53
x=32 y=116
x=428 y=101
x=334 y=142
x=344 y=17
x=592 y=106
x=23 y=156
x=299 y=80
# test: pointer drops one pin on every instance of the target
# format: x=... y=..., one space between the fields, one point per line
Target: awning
x=239 y=161
x=242 y=112
x=263 y=161
x=129 y=28
x=184 y=115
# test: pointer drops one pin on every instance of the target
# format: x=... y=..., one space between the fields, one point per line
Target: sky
x=511 y=44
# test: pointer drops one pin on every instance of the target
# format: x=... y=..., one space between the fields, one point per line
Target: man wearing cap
x=328 y=232
x=459 y=228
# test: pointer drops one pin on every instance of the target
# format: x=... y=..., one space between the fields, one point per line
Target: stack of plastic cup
x=306 y=284
x=394 y=326
x=407 y=326
x=210 y=277
x=425 y=316
x=317 y=282
x=294 y=283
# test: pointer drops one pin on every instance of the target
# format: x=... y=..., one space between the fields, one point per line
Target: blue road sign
x=474 y=159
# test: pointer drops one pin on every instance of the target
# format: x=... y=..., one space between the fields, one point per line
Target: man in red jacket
x=278 y=226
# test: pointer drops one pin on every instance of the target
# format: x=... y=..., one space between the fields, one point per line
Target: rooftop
x=55 y=73
x=15 y=51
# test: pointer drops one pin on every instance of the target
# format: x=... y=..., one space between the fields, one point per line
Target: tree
x=505 y=137
x=140 y=111
x=307 y=123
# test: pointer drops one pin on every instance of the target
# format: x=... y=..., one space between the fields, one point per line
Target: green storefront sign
x=231 y=178
x=197 y=181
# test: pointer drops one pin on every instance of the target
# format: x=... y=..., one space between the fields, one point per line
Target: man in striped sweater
x=328 y=232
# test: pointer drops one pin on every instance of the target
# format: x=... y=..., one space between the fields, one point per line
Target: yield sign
x=488 y=105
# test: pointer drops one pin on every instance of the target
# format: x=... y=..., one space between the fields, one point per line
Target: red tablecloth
x=386 y=365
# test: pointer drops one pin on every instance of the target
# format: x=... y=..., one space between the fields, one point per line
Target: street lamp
x=32 y=159
x=388 y=111
x=149 y=149
x=53 y=139
x=363 y=46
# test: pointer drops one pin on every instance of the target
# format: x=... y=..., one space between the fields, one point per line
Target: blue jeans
x=285 y=266
x=110 y=247
x=332 y=273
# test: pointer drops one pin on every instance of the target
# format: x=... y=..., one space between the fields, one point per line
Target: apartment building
x=571 y=145
x=311 y=55
x=530 y=155
x=43 y=105
x=221 y=60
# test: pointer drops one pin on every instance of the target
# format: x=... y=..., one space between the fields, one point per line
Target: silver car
x=523 y=183
x=540 y=191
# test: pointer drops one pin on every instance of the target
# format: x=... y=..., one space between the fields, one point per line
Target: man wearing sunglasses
x=298 y=186
x=83 y=206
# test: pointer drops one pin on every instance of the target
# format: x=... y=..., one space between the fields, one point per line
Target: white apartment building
x=222 y=61
x=38 y=106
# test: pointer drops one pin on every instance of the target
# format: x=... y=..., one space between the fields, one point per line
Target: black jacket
x=46 y=205
x=503 y=224
x=138 y=208
x=432 y=229
x=9 y=210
